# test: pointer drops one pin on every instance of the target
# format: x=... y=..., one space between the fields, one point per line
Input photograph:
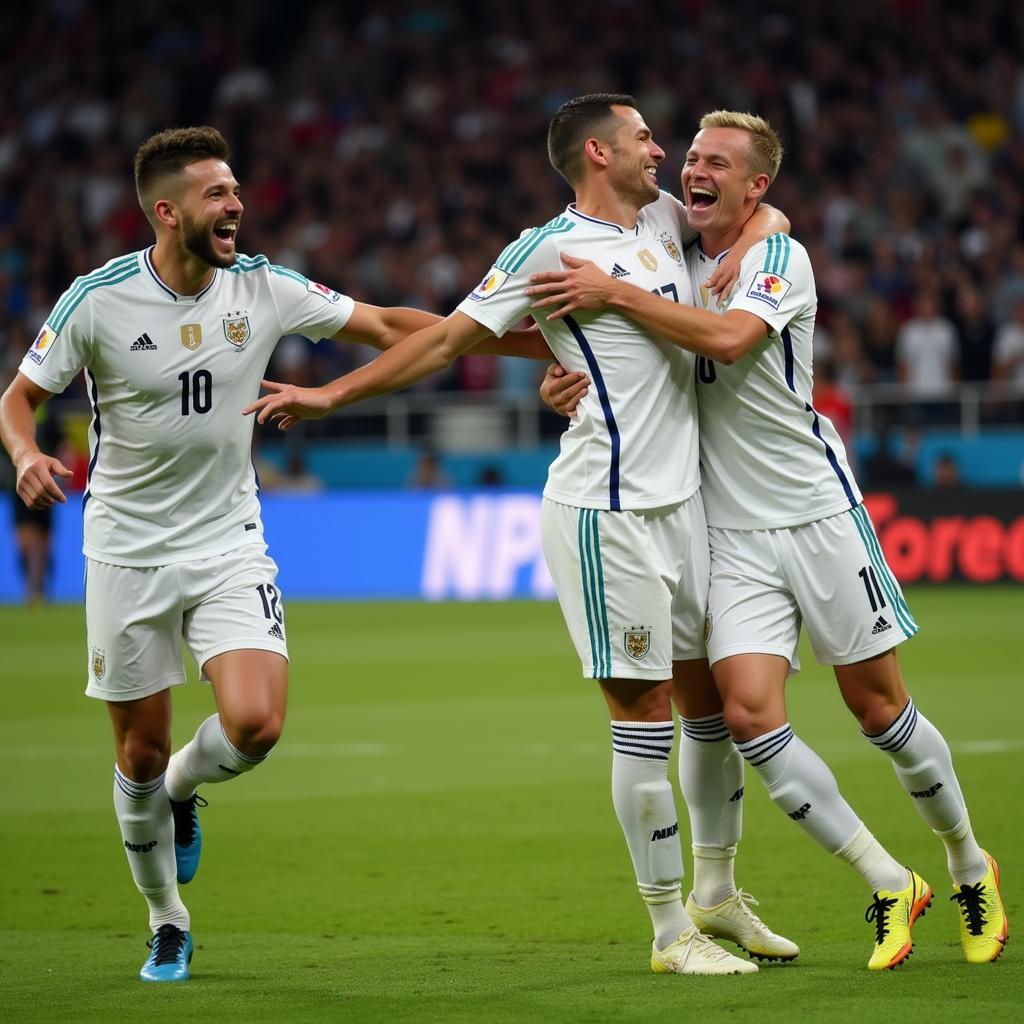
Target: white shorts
x=831 y=573
x=136 y=618
x=633 y=586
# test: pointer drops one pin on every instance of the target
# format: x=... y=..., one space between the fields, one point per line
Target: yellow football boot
x=894 y=914
x=983 y=925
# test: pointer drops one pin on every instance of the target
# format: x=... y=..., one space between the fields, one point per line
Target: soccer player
x=174 y=341
x=790 y=541
x=622 y=523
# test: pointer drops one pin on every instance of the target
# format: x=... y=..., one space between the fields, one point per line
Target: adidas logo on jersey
x=275 y=632
x=143 y=344
x=618 y=271
x=881 y=625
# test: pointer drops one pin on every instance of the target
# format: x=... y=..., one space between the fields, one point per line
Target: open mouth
x=701 y=198
x=226 y=232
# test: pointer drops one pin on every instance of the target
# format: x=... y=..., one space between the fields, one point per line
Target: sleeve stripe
x=83 y=284
x=68 y=307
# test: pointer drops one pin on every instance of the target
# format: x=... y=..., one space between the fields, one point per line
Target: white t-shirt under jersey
x=170 y=473
x=633 y=442
x=769 y=459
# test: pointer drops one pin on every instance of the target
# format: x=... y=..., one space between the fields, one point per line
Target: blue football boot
x=172 y=953
x=188 y=838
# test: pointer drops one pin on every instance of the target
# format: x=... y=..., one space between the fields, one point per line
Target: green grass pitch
x=433 y=840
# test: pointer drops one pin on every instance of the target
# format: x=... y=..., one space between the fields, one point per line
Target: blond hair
x=764 y=155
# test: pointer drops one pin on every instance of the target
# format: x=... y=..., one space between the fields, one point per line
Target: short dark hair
x=576 y=121
x=169 y=152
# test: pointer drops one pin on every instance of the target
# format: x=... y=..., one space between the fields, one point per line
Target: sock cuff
x=714 y=852
x=710 y=729
x=651 y=741
x=244 y=758
x=137 y=790
x=897 y=734
x=761 y=749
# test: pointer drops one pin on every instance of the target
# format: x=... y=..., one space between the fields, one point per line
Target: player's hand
x=36 y=485
x=582 y=286
x=724 y=278
x=562 y=390
x=287 y=404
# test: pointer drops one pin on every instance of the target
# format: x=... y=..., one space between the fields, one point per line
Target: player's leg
x=235 y=629
x=134 y=657
x=752 y=645
x=856 y=616
x=616 y=605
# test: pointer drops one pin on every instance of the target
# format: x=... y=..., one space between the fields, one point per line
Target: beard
x=199 y=242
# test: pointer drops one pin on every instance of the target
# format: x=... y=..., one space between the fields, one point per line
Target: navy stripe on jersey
x=787 y=350
x=94 y=401
x=609 y=417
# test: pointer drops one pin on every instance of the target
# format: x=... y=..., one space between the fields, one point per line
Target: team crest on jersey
x=192 y=336
x=236 y=329
x=493 y=280
x=41 y=346
x=768 y=288
x=670 y=246
x=646 y=257
x=636 y=641
x=99 y=663
x=324 y=292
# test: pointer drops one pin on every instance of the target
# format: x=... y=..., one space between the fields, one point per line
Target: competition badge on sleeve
x=324 y=292
x=41 y=346
x=492 y=281
x=768 y=288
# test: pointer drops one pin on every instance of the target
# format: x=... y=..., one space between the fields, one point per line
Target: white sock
x=924 y=767
x=711 y=780
x=208 y=757
x=646 y=809
x=802 y=785
x=866 y=855
x=147 y=834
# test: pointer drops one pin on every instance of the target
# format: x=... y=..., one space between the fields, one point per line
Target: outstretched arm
x=36 y=485
x=383 y=327
x=424 y=352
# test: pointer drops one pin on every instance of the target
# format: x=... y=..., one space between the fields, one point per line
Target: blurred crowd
x=391 y=150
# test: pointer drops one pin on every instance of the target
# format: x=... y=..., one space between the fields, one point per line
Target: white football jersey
x=633 y=442
x=769 y=459
x=170 y=471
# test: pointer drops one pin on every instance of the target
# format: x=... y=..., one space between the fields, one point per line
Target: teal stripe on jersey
x=784 y=253
x=82 y=284
x=58 y=322
x=243 y=264
x=511 y=263
x=585 y=580
x=770 y=242
x=602 y=606
x=899 y=606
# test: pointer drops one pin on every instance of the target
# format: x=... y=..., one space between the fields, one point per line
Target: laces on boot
x=184 y=812
x=878 y=911
x=973 y=904
x=167 y=944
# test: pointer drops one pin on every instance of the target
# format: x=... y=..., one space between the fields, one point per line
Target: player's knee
x=876 y=712
x=745 y=719
x=256 y=735
x=143 y=759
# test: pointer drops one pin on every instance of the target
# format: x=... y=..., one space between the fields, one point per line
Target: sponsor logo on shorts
x=276 y=632
x=881 y=625
x=768 y=288
x=738 y=795
x=636 y=641
x=99 y=663
x=664 y=833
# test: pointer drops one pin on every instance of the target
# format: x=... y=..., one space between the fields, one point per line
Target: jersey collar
x=147 y=259
x=571 y=208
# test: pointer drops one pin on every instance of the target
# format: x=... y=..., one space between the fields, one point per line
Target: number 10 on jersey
x=196 y=391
